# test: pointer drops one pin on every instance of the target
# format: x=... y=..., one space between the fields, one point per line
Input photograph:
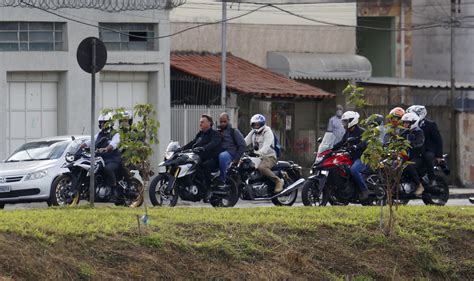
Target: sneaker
x=279 y=186
x=419 y=190
x=364 y=195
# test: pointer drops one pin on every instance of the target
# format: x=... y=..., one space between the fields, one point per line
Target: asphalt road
x=240 y=204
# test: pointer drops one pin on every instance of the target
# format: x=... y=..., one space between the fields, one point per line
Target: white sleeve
x=115 y=141
x=267 y=142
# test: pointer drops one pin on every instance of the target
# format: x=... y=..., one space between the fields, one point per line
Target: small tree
x=136 y=141
x=355 y=96
x=386 y=160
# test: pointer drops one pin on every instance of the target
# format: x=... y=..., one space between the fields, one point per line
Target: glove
x=253 y=154
x=410 y=137
x=352 y=148
x=198 y=149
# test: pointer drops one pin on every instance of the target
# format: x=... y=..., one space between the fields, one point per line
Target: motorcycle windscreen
x=327 y=143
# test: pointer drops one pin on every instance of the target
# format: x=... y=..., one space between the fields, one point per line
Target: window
x=132 y=36
x=32 y=36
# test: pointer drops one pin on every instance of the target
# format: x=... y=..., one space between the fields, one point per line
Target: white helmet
x=257 y=119
x=103 y=119
x=419 y=110
x=349 y=119
x=411 y=118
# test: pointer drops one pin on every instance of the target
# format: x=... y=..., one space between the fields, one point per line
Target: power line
x=145 y=37
x=421 y=26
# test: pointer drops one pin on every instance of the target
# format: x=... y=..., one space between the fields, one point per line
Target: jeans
x=356 y=172
x=224 y=160
x=110 y=170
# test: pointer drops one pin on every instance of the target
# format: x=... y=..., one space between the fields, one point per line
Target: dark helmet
x=376 y=120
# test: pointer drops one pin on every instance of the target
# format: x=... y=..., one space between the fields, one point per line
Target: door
x=31 y=108
x=123 y=90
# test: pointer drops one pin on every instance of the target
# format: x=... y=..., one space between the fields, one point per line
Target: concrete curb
x=461 y=195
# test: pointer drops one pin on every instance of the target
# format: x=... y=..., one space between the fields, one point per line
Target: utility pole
x=224 y=53
x=452 y=96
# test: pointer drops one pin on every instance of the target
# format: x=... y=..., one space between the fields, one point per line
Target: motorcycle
x=436 y=193
x=184 y=178
x=70 y=188
x=253 y=186
x=331 y=182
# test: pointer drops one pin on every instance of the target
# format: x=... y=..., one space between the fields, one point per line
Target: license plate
x=4 y=189
x=324 y=172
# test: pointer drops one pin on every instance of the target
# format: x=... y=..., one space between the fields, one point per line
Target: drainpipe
x=402 y=46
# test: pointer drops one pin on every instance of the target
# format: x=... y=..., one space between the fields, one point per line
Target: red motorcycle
x=331 y=181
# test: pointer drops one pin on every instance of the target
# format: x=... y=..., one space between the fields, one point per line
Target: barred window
x=32 y=36
x=131 y=36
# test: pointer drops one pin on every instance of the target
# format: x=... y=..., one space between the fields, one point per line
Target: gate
x=185 y=120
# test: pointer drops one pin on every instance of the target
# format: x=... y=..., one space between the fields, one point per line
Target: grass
x=332 y=242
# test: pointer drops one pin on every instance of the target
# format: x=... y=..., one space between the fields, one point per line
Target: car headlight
x=36 y=175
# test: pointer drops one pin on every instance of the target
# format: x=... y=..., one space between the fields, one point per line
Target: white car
x=26 y=176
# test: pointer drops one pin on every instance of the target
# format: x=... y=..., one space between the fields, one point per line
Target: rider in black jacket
x=417 y=139
x=208 y=146
x=350 y=120
x=433 y=141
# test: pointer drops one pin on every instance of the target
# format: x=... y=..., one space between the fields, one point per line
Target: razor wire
x=102 y=5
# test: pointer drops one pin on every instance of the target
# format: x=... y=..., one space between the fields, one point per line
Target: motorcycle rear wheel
x=227 y=201
x=441 y=199
x=287 y=200
x=135 y=202
x=157 y=192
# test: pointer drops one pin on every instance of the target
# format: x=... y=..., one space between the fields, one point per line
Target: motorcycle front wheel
x=158 y=197
x=311 y=196
x=61 y=192
x=286 y=200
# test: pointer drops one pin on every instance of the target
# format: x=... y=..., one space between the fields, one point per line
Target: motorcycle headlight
x=70 y=158
x=318 y=160
x=36 y=175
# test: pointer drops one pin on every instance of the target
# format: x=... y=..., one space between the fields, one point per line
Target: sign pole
x=92 y=146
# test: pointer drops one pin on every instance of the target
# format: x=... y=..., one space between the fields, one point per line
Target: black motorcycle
x=184 y=178
x=253 y=186
x=435 y=193
x=70 y=188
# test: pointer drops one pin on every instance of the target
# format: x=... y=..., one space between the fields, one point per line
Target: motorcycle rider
x=394 y=118
x=433 y=141
x=233 y=144
x=107 y=141
x=207 y=144
x=415 y=135
x=350 y=121
x=262 y=139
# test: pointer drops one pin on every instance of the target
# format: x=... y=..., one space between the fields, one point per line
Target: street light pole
x=452 y=94
x=224 y=53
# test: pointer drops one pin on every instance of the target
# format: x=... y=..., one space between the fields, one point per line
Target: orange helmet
x=397 y=112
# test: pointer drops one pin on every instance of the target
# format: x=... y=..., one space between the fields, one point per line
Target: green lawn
x=331 y=242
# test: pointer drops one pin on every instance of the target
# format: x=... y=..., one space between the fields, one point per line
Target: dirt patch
x=323 y=253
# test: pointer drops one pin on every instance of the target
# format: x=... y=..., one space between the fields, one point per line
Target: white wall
x=74 y=86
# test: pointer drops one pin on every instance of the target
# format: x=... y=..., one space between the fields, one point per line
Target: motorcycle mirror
x=73 y=138
x=319 y=140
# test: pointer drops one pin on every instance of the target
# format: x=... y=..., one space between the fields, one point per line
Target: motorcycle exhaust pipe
x=290 y=188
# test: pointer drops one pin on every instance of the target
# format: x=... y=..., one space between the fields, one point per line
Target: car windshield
x=39 y=150
x=327 y=143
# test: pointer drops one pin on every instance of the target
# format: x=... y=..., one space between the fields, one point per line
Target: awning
x=319 y=66
x=416 y=83
x=244 y=77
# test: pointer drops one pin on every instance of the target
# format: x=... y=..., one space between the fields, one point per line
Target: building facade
x=43 y=91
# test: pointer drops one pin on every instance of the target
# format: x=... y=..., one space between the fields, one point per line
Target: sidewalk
x=460 y=193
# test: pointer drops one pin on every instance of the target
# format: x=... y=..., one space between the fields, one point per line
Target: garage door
x=31 y=107
x=123 y=89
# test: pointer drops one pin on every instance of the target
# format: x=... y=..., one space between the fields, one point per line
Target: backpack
x=277 y=145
